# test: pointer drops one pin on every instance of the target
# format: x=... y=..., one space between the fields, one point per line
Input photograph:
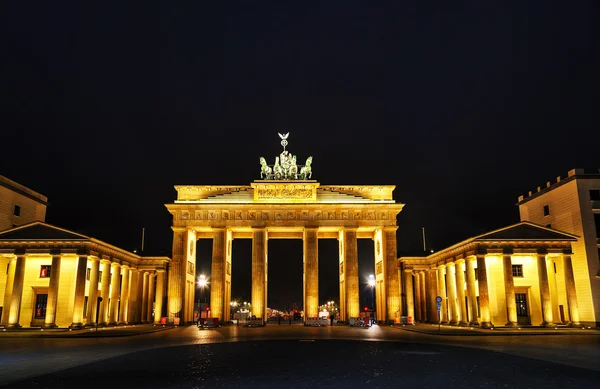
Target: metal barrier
x=211 y=322
x=358 y=322
x=315 y=322
x=255 y=323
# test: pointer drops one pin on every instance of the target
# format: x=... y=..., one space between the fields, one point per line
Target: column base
x=474 y=323
x=444 y=323
x=112 y=323
x=548 y=324
x=13 y=326
x=486 y=324
x=90 y=325
x=76 y=326
x=512 y=324
x=50 y=325
x=463 y=324
x=122 y=323
x=102 y=324
x=572 y=324
x=453 y=323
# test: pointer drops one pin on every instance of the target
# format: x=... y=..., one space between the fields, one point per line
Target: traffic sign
x=438 y=299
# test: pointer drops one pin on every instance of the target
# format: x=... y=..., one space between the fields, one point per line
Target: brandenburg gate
x=284 y=204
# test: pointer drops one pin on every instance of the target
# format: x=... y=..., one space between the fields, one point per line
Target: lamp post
x=372 y=286
x=201 y=284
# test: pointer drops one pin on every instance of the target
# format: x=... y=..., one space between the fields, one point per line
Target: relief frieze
x=284 y=193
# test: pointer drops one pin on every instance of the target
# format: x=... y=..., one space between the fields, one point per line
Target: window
x=41 y=300
x=45 y=271
x=548 y=225
x=546 y=210
x=594 y=194
x=17 y=211
x=597 y=221
x=517 y=270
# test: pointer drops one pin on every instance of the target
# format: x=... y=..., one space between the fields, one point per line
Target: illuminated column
x=390 y=269
x=431 y=291
x=571 y=294
x=50 y=320
x=441 y=291
x=417 y=296
x=92 y=292
x=79 y=292
x=408 y=285
x=105 y=292
x=484 y=297
x=177 y=275
x=452 y=303
x=160 y=295
x=148 y=317
x=509 y=288
x=259 y=273
x=140 y=294
x=17 y=293
x=544 y=291
x=469 y=263
x=217 y=275
x=114 y=296
x=351 y=272
x=124 y=295
x=342 y=276
x=144 y=297
x=311 y=272
x=133 y=297
x=227 y=300
x=423 y=300
x=463 y=320
x=10 y=278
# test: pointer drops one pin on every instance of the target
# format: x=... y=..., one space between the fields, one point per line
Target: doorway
x=522 y=309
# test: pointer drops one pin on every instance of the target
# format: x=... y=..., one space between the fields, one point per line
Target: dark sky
x=462 y=106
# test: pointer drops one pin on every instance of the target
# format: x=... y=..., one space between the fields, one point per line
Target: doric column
x=79 y=298
x=351 y=272
x=441 y=291
x=50 y=320
x=124 y=295
x=424 y=304
x=140 y=297
x=342 y=274
x=408 y=285
x=417 y=296
x=571 y=293
x=311 y=272
x=17 y=293
x=92 y=292
x=509 y=288
x=545 y=291
x=149 y=309
x=217 y=275
x=470 y=265
x=160 y=294
x=115 y=285
x=133 y=297
x=259 y=273
x=177 y=276
x=431 y=295
x=10 y=279
x=105 y=292
x=452 y=303
x=228 y=263
x=463 y=320
x=484 y=297
x=392 y=283
x=144 y=312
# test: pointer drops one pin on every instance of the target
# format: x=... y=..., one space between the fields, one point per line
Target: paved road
x=25 y=357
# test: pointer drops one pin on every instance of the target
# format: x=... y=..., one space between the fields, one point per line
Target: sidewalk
x=130 y=330
x=445 y=330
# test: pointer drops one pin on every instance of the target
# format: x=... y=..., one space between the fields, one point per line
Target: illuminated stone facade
x=19 y=205
x=517 y=275
x=54 y=277
x=572 y=204
x=291 y=209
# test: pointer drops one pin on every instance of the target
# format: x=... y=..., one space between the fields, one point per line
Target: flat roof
x=23 y=190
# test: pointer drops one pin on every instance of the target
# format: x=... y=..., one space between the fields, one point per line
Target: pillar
x=463 y=319
x=50 y=320
x=92 y=292
x=472 y=292
x=160 y=295
x=114 y=296
x=342 y=273
x=177 y=276
x=133 y=297
x=17 y=293
x=417 y=296
x=544 y=291
x=10 y=279
x=259 y=273
x=390 y=269
x=453 y=307
x=484 y=297
x=311 y=272
x=150 y=306
x=228 y=268
x=571 y=293
x=431 y=292
x=351 y=272
x=105 y=292
x=79 y=292
x=123 y=309
x=441 y=291
x=423 y=301
x=144 y=311
x=217 y=274
x=408 y=285
x=509 y=288
x=140 y=295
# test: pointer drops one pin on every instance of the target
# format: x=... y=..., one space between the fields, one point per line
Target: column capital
x=351 y=228
x=115 y=264
x=408 y=270
x=441 y=266
x=179 y=229
x=93 y=258
x=459 y=261
x=390 y=228
x=451 y=264
x=159 y=270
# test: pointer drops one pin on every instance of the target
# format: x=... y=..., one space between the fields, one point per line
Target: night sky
x=462 y=107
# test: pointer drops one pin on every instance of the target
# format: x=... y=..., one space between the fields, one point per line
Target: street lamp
x=202 y=283
x=372 y=286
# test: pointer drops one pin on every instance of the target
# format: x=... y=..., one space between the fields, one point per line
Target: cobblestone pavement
x=23 y=357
